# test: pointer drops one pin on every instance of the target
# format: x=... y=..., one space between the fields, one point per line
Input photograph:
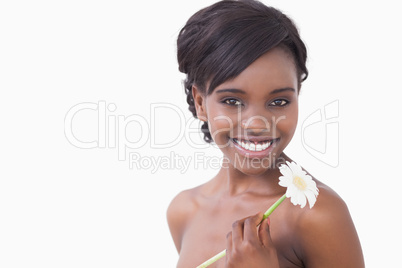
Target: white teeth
x=265 y=145
x=243 y=144
x=246 y=145
x=252 y=147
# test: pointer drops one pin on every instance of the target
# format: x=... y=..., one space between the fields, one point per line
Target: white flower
x=299 y=185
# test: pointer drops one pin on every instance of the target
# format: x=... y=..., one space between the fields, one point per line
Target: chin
x=252 y=166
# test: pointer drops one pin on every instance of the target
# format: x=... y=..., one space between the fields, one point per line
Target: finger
x=237 y=232
x=250 y=227
x=264 y=233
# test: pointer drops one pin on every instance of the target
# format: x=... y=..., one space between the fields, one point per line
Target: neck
x=265 y=181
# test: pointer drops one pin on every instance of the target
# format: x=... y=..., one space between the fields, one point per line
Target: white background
x=64 y=206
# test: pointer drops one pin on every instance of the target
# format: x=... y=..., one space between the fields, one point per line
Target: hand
x=248 y=245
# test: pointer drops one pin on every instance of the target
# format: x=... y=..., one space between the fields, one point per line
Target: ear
x=199 y=102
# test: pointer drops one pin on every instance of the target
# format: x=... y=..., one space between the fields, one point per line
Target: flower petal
x=302 y=199
x=311 y=197
x=293 y=199
x=286 y=171
x=297 y=169
x=291 y=191
x=285 y=181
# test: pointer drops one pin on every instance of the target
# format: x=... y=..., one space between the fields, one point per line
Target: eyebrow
x=232 y=90
x=235 y=90
x=279 y=90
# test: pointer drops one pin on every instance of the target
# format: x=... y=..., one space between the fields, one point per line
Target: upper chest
x=205 y=233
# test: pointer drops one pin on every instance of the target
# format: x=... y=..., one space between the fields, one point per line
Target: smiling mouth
x=254 y=146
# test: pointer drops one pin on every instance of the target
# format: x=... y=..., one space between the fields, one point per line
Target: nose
x=255 y=124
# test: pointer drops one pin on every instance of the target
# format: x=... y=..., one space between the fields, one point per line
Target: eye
x=279 y=102
x=232 y=102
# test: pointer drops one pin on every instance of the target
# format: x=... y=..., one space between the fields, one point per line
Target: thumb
x=264 y=233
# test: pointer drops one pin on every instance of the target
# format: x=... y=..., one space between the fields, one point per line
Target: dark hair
x=220 y=41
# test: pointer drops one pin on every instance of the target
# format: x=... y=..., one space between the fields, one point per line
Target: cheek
x=287 y=126
x=220 y=127
x=287 y=123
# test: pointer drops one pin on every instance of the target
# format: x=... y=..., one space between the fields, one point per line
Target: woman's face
x=253 y=117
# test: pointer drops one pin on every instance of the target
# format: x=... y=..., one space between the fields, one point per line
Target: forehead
x=274 y=69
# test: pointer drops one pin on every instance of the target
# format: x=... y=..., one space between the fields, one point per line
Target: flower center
x=300 y=183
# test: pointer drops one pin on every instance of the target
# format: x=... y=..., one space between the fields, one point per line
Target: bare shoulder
x=329 y=207
x=326 y=233
x=328 y=201
x=181 y=208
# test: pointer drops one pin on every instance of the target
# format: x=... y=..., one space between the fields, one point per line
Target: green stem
x=273 y=207
x=213 y=259
x=223 y=252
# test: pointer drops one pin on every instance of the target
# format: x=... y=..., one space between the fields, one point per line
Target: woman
x=244 y=64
